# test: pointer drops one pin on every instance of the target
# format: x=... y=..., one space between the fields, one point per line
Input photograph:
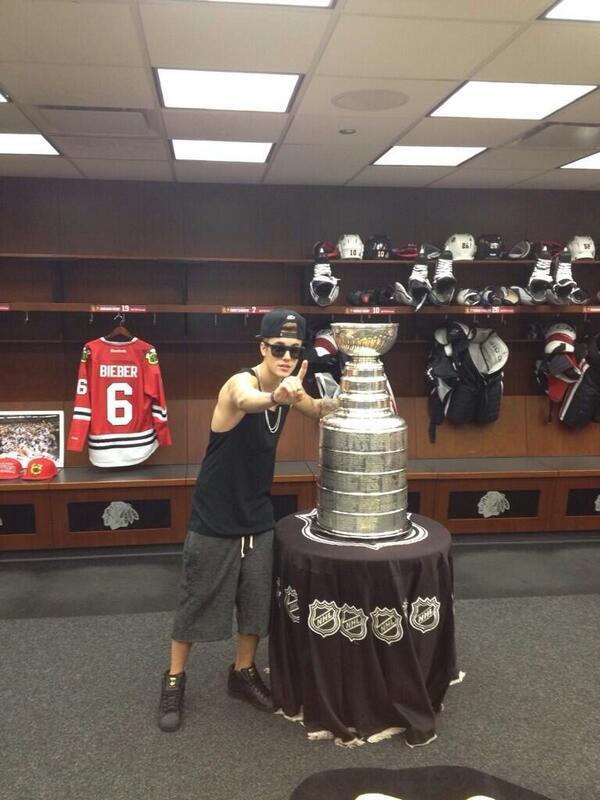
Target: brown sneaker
x=246 y=684
x=171 y=702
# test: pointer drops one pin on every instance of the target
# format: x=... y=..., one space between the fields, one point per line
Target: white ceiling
x=82 y=73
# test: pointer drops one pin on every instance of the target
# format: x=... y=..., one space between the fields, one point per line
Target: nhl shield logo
x=324 y=618
x=353 y=623
x=386 y=624
x=292 y=607
x=425 y=614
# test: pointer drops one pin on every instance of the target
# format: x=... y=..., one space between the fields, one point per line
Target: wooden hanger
x=120 y=332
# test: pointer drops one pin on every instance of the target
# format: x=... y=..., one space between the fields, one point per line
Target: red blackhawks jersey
x=119 y=403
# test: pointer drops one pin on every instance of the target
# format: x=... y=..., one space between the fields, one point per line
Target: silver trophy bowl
x=364 y=339
x=362 y=491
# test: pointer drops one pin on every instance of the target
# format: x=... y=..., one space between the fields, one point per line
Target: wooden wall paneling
x=199 y=415
x=27 y=279
x=161 y=219
x=104 y=535
x=553 y=438
x=505 y=437
x=30 y=326
x=561 y=214
x=245 y=284
x=113 y=282
x=426 y=495
x=103 y=217
x=291 y=442
x=29 y=215
x=506 y=521
x=576 y=504
x=405 y=368
x=154 y=328
x=310 y=439
x=475 y=211
x=32 y=375
x=16 y=507
x=303 y=491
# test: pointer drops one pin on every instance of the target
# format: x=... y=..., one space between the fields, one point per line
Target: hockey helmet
x=560 y=338
x=490 y=245
x=350 y=246
x=324 y=250
x=406 y=252
x=582 y=247
x=462 y=246
x=378 y=246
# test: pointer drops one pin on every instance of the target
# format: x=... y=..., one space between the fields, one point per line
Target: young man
x=227 y=556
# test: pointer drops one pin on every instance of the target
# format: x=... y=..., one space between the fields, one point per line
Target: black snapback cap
x=284 y=323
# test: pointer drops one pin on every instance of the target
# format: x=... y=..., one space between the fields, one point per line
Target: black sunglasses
x=279 y=350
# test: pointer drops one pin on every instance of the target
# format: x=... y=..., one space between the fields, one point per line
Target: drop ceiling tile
x=548 y=52
x=517 y=10
x=228 y=37
x=585 y=110
x=435 y=131
x=112 y=148
x=562 y=179
x=63 y=84
x=101 y=122
x=318 y=129
x=388 y=47
x=63 y=32
x=212 y=172
x=105 y=169
x=482 y=178
x=566 y=137
x=37 y=167
x=519 y=157
x=399 y=176
x=225 y=125
x=319 y=165
x=417 y=97
x=13 y=121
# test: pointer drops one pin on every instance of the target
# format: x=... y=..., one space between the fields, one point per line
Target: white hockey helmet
x=582 y=247
x=350 y=246
x=462 y=246
x=560 y=338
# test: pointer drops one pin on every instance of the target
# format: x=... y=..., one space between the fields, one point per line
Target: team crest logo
x=425 y=614
x=152 y=357
x=292 y=606
x=324 y=618
x=35 y=469
x=353 y=623
x=85 y=354
x=386 y=624
x=492 y=504
x=119 y=514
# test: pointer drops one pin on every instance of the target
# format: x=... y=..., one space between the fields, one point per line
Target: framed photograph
x=31 y=434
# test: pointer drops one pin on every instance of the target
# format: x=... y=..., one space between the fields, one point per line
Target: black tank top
x=233 y=490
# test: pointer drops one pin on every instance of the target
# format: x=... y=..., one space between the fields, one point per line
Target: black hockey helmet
x=378 y=246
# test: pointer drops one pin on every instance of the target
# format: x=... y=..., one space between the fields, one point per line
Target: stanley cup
x=362 y=491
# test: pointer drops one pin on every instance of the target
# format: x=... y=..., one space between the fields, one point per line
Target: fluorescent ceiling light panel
x=498 y=100
x=589 y=162
x=226 y=91
x=212 y=150
x=312 y=3
x=588 y=10
x=26 y=144
x=404 y=156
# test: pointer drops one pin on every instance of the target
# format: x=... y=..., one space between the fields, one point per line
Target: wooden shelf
x=245 y=310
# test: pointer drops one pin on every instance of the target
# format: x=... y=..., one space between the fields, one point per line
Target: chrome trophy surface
x=362 y=491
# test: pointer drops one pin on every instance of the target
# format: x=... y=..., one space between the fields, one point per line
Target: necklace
x=272 y=428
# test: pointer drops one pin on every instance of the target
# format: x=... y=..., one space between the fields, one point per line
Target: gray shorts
x=219 y=575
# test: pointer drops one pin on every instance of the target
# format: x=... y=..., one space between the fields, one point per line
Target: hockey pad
x=489 y=400
x=489 y=356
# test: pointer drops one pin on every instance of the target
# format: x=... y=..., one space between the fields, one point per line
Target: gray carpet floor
x=79 y=697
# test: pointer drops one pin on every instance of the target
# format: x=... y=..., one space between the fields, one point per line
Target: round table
x=362 y=635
